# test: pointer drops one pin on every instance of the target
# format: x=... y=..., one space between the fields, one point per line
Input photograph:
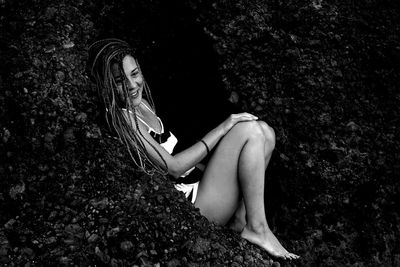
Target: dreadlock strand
x=155 y=149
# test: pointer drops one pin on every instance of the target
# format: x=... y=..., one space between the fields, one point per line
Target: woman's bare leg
x=239 y=161
x=238 y=220
x=218 y=193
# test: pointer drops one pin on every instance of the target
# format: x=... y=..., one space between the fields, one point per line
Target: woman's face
x=133 y=82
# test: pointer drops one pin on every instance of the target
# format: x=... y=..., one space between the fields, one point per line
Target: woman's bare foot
x=264 y=238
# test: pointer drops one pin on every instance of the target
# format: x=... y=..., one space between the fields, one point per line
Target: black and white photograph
x=199 y=133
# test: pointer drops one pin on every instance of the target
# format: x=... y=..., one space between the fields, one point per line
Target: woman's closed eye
x=135 y=72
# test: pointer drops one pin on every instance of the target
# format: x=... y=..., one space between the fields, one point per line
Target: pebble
x=173 y=263
x=98 y=252
x=50 y=240
x=160 y=199
x=52 y=215
x=81 y=117
x=213 y=236
x=201 y=246
x=59 y=76
x=103 y=220
x=28 y=252
x=16 y=191
x=238 y=259
x=93 y=238
x=69 y=137
x=6 y=135
x=100 y=205
x=68 y=45
x=234 y=98
x=18 y=75
x=50 y=13
x=49 y=49
x=69 y=241
x=9 y=225
x=114 y=263
x=352 y=126
x=65 y=260
x=248 y=258
x=219 y=247
x=113 y=232
x=48 y=141
x=3 y=252
x=36 y=62
x=126 y=246
x=73 y=228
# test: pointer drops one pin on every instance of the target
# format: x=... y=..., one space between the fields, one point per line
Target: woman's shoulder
x=144 y=101
x=147 y=104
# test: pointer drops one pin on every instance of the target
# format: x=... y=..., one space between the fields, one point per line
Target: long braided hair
x=104 y=56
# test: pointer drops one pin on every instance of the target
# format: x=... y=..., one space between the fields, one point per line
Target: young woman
x=231 y=189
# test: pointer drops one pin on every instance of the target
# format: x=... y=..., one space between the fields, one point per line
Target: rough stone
x=126 y=246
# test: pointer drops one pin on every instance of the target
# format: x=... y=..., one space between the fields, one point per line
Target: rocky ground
x=323 y=74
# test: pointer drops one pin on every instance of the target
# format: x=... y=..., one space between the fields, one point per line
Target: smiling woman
x=106 y=62
x=133 y=81
x=229 y=188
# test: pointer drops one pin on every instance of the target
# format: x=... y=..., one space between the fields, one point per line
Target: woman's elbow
x=175 y=175
x=175 y=171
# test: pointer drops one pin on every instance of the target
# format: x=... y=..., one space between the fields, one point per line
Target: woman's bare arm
x=179 y=163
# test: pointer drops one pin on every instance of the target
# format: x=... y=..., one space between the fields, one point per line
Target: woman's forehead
x=129 y=63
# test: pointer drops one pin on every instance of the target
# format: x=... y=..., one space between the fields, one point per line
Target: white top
x=169 y=146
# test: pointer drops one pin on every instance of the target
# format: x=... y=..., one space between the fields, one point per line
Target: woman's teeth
x=135 y=94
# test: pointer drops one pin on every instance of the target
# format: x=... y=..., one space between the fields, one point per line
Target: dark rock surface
x=325 y=75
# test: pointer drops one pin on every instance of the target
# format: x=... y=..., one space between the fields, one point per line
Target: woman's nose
x=131 y=84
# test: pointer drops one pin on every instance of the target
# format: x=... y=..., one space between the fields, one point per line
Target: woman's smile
x=134 y=93
x=134 y=79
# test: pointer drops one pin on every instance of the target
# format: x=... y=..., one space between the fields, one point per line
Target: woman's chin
x=136 y=101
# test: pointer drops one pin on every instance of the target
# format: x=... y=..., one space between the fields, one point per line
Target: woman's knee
x=269 y=133
x=250 y=130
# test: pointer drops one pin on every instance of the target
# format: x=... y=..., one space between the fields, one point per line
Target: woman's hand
x=236 y=118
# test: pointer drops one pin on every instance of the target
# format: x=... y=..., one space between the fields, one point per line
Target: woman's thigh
x=218 y=194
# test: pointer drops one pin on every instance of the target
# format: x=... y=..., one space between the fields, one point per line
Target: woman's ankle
x=259 y=227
